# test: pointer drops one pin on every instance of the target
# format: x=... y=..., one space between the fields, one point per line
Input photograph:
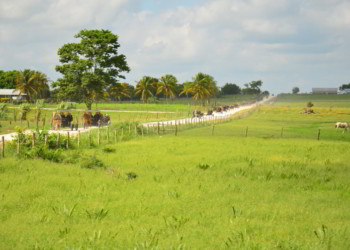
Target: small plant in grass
x=97 y=214
x=91 y=162
x=203 y=166
x=309 y=104
x=108 y=150
x=131 y=175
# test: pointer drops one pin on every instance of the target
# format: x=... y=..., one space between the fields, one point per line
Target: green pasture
x=191 y=191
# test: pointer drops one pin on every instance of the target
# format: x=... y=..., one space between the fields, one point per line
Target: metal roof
x=13 y=92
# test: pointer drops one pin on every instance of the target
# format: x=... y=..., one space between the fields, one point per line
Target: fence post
x=67 y=140
x=319 y=134
x=246 y=132
x=33 y=141
x=45 y=138
x=89 y=138
x=147 y=128
x=28 y=124
x=115 y=136
x=163 y=128
x=122 y=132
x=282 y=132
x=18 y=144
x=58 y=140
x=129 y=129
x=212 y=132
x=142 y=130
x=175 y=129
x=107 y=134
x=98 y=137
x=78 y=139
x=44 y=122
x=3 y=146
x=135 y=130
x=157 y=126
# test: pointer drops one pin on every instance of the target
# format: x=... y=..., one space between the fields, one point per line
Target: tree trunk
x=88 y=105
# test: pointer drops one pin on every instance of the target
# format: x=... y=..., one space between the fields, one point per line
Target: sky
x=284 y=43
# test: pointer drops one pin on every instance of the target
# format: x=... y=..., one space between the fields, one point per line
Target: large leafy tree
x=145 y=87
x=230 y=89
x=295 y=90
x=344 y=86
x=203 y=87
x=167 y=85
x=32 y=83
x=90 y=67
x=252 y=87
x=8 y=79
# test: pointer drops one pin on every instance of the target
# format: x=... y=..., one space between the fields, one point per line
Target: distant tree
x=145 y=87
x=344 y=86
x=90 y=67
x=32 y=83
x=252 y=87
x=230 y=89
x=8 y=79
x=167 y=85
x=295 y=90
x=203 y=87
x=265 y=93
x=119 y=91
x=309 y=104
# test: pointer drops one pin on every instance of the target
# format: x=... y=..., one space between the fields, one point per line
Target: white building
x=343 y=91
x=324 y=91
x=11 y=93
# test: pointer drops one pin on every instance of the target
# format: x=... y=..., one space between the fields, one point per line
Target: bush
x=4 y=100
x=3 y=111
x=24 y=110
x=309 y=105
x=91 y=162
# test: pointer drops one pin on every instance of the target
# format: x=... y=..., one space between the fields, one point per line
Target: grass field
x=193 y=191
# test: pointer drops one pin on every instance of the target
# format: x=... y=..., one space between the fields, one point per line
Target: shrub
x=3 y=111
x=203 y=166
x=108 y=150
x=91 y=162
x=309 y=105
x=4 y=100
x=67 y=105
x=24 y=110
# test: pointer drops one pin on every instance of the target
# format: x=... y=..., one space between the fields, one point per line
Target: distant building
x=324 y=91
x=11 y=93
x=343 y=91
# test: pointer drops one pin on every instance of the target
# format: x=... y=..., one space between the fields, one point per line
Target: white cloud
x=282 y=42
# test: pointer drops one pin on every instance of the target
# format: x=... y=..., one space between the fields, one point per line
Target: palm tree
x=203 y=87
x=31 y=83
x=120 y=90
x=145 y=86
x=167 y=85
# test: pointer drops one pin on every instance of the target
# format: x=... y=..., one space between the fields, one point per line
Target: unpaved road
x=216 y=115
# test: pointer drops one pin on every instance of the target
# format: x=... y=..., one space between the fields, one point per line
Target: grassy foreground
x=193 y=191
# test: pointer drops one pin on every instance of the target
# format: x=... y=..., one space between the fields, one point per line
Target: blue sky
x=284 y=43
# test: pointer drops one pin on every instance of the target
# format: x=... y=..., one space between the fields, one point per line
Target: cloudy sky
x=284 y=43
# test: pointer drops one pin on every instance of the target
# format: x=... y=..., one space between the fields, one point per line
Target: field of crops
x=260 y=182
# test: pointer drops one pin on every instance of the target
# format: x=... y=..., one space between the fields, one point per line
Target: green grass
x=193 y=191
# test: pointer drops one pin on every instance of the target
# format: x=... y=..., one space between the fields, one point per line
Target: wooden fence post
x=175 y=129
x=107 y=134
x=58 y=140
x=98 y=137
x=135 y=130
x=67 y=140
x=89 y=138
x=282 y=132
x=246 y=132
x=18 y=144
x=78 y=139
x=28 y=124
x=3 y=146
x=157 y=126
x=319 y=134
x=45 y=138
x=33 y=140
x=212 y=132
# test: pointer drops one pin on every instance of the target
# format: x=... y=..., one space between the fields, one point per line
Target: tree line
x=92 y=70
